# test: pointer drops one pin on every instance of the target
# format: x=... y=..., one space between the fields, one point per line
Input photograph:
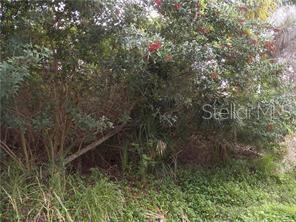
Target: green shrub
x=103 y=63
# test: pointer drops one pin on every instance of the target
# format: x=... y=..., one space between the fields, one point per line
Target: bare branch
x=94 y=144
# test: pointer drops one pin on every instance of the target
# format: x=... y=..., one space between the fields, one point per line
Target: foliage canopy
x=72 y=70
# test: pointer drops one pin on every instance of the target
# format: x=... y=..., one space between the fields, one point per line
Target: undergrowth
x=235 y=192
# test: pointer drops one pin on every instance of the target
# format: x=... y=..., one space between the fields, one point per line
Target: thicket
x=75 y=74
x=129 y=86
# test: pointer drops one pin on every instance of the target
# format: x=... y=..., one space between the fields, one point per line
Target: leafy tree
x=94 y=66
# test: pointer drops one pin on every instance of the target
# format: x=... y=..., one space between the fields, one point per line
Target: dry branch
x=94 y=144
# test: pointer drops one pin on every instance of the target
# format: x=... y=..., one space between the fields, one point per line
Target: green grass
x=231 y=193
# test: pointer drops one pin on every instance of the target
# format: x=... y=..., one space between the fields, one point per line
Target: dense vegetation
x=138 y=88
x=232 y=193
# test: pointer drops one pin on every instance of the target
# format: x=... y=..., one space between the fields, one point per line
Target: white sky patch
x=153 y=14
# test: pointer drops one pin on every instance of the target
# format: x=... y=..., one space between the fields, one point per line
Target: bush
x=109 y=63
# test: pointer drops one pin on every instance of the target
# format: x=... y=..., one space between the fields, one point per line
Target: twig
x=10 y=153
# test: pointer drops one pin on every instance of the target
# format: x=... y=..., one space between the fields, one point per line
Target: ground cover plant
x=235 y=192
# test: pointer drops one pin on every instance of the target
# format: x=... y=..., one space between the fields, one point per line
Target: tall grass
x=54 y=196
x=239 y=191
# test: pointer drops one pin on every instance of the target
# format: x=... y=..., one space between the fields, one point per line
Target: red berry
x=158 y=2
x=154 y=46
x=178 y=6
